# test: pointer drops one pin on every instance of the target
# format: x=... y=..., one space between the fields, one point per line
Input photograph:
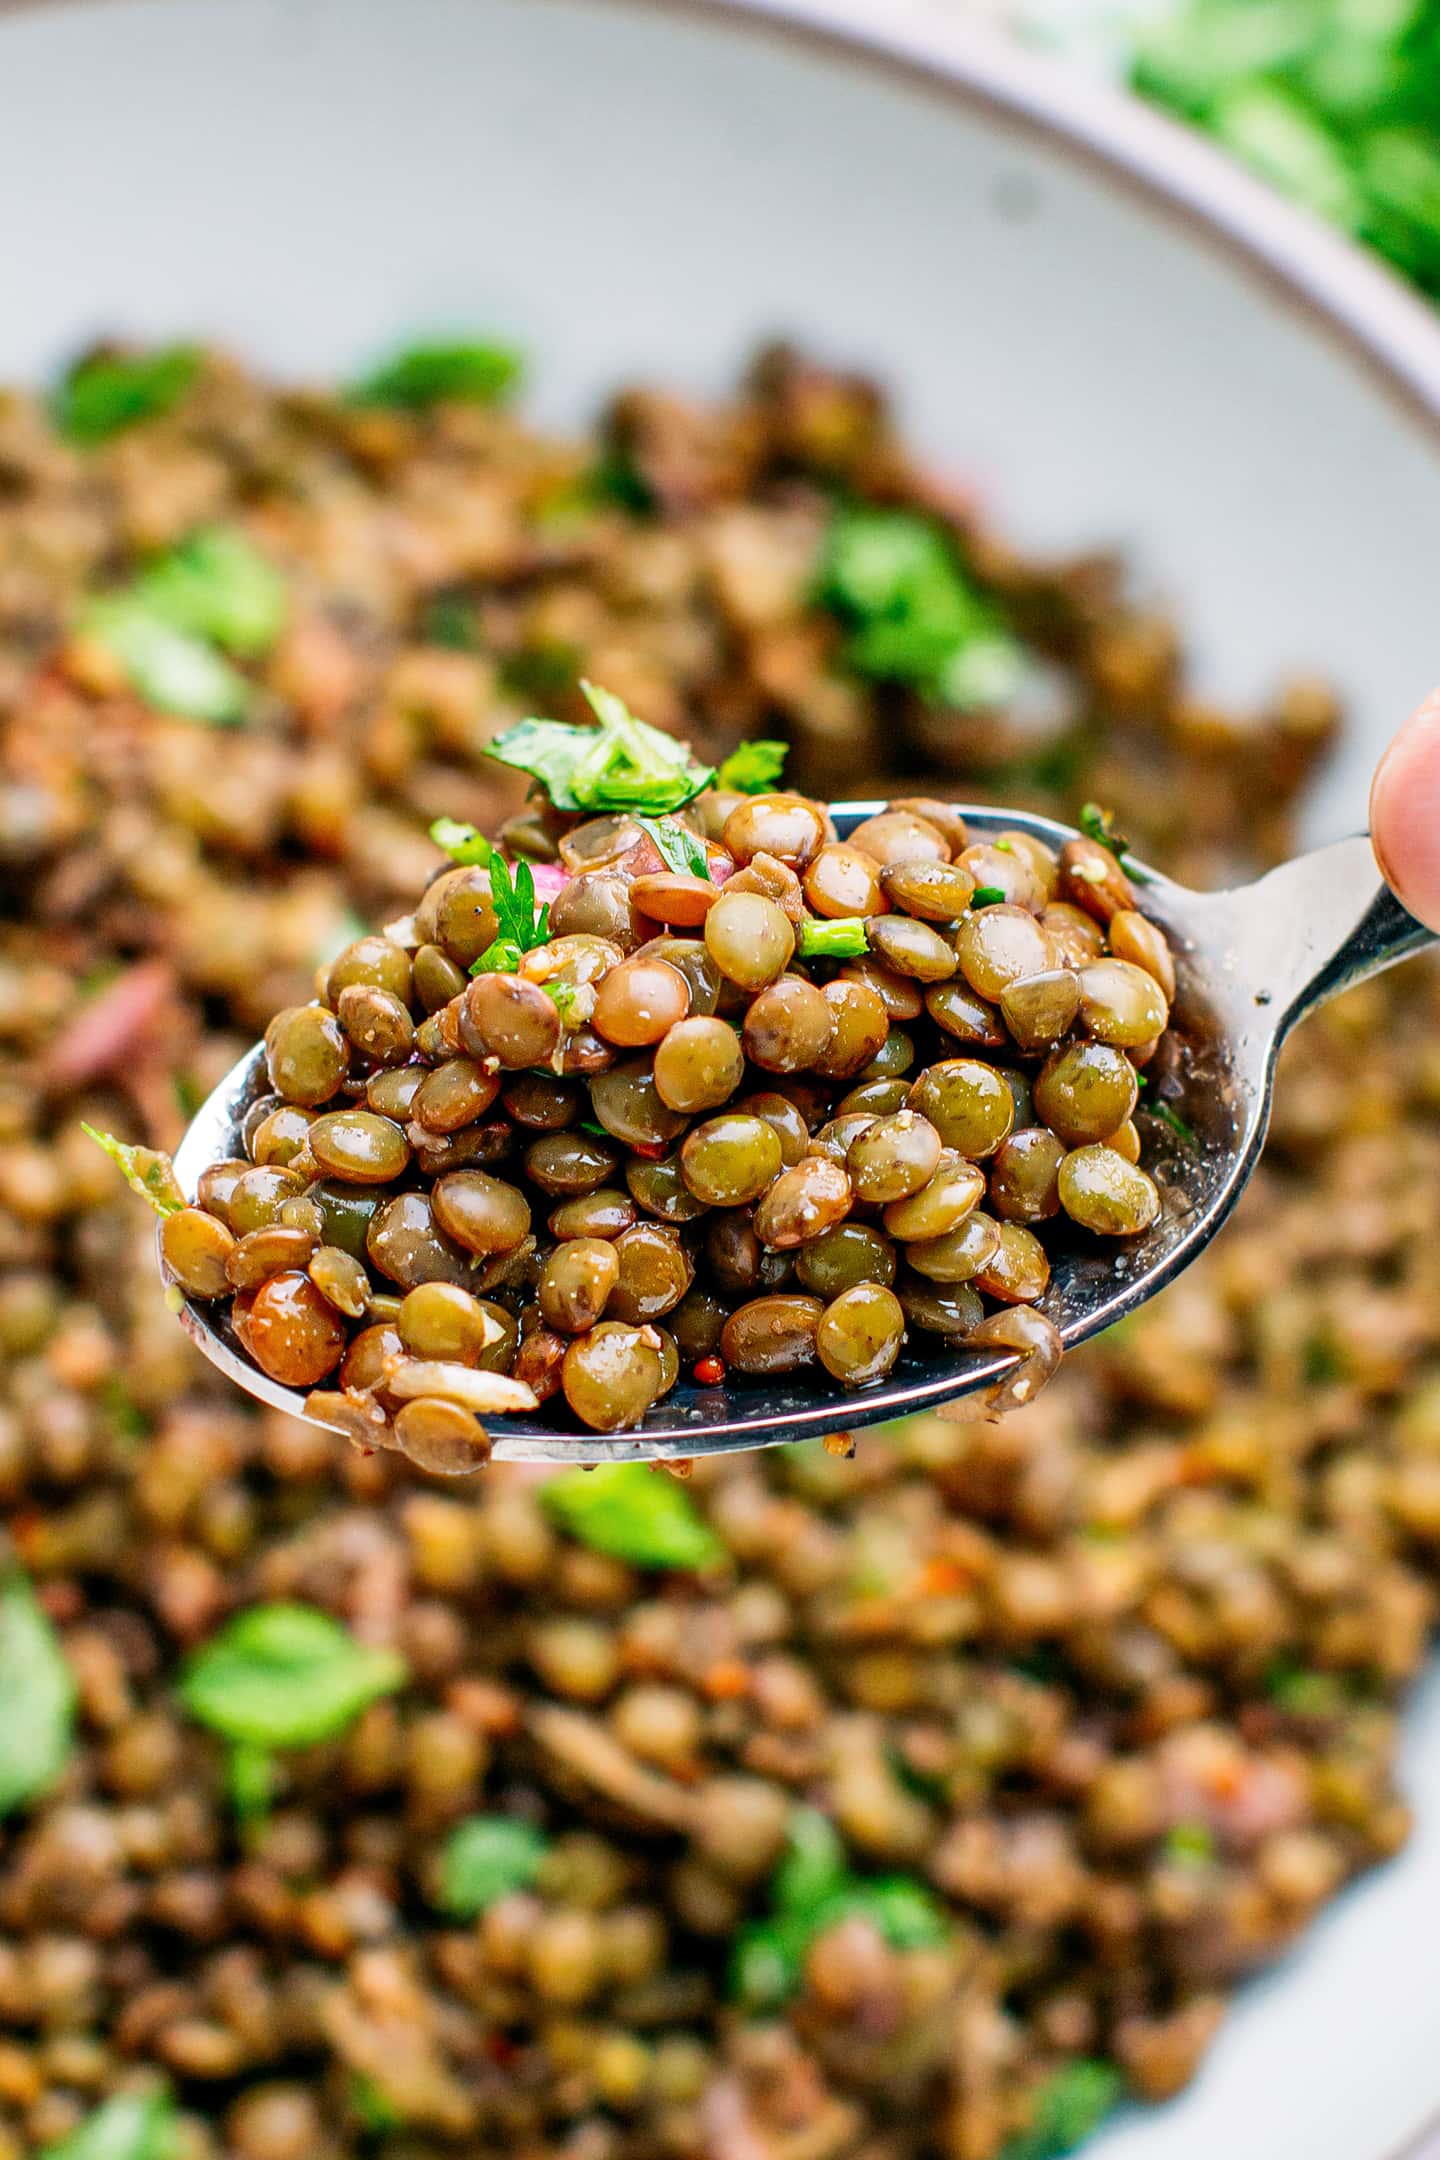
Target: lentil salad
x=912 y=1804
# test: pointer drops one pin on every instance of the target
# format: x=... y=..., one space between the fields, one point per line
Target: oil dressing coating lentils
x=733 y=1097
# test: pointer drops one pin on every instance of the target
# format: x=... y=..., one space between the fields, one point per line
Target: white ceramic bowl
x=1085 y=312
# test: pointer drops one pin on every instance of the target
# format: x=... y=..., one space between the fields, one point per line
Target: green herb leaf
x=755 y=768
x=374 y=2110
x=987 y=896
x=110 y=392
x=169 y=668
x=501 y=958
x=462 y=843
x=913 y=615
x=632 y=1513
x=814 y=1864
x=462 y=371
x=844 y=938
x=131 y=2126
x=218 y=585
x=122 y=1412
x=485 y=1858
x=770 y=1954
x=1069 y=2108
x=250 y=1781
x=37 y=1698
x=285 y=1676
x=513 y=892
x=1304 y=1692
x=682 y=849
x=1190 y=1844
x=622 y=764
x=1099 y=825
x=1164 y=1115
x=147 y=1171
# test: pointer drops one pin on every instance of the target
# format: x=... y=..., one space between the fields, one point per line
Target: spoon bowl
x=1250 y=963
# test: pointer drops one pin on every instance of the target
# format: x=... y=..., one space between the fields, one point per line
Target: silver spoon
x=1250 y=964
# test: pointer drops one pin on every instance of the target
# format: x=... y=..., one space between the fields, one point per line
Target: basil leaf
x=110 y=392
x=682 y=850
x=217 y=585
x=285 y=1676
x=633 y=1513
x=1069 y=2108
x=169 y=668
x=485 y=1858
x=755 y=768
x=37 y=1698
x=147 y=1171
x=462 y=843
x=462 y=371
x=132 y=2126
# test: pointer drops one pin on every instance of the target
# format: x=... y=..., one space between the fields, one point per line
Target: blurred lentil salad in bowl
x=918 y=1804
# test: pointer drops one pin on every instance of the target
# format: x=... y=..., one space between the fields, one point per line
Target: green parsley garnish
x=987 y=896
x=171 y=669
x=462 y=843
x=285 y=1675
x=912 y=614
x=461 y=371
x=623 y=764
x=1172 y=1118
x=682 y=849
x=130 y=2126
x=109 y=392
x=522 y=926
x=218 y=586
x=485 y=1858
x=147 y=1171
x=843 y=938
x=632 y=1513
x=37 y=1697
x=812 y=1890
x=1069 y=2108
x=1190 y=1844
x=755 y=768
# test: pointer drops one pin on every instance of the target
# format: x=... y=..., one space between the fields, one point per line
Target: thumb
x=1405 y=813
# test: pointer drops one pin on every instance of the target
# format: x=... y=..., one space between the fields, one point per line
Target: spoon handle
x=1314 y=926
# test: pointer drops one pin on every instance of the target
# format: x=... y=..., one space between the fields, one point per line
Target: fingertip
x=1405 y=813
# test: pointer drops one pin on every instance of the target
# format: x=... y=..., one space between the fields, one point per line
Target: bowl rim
x=1333 y=284
x=1339 y=289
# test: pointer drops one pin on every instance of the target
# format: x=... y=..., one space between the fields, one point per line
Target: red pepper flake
x=943 y=1577
x=710 y=1371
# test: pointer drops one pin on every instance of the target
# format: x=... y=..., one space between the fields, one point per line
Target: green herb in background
x=462 y=843
x=622 y=764
x=250 y=1781
x=37 y=1698
x=755 y=768
x=217 y=585
x=682 y=849
x=109 y=392
x=912 y=614
x=449 y=619
x=122 y=1413
x=1302 y=1691
x=1069 y=2108
x=1190 y=1844
x=485 y=1858
x=842 y=938
x=147 y=1172
x=170 y=669
x=633 y=1513
x=461 y=371
x=812 y=1890
x=131 y=2126
x=1334 y=101
x=285 y=1676
x=374 y=2110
